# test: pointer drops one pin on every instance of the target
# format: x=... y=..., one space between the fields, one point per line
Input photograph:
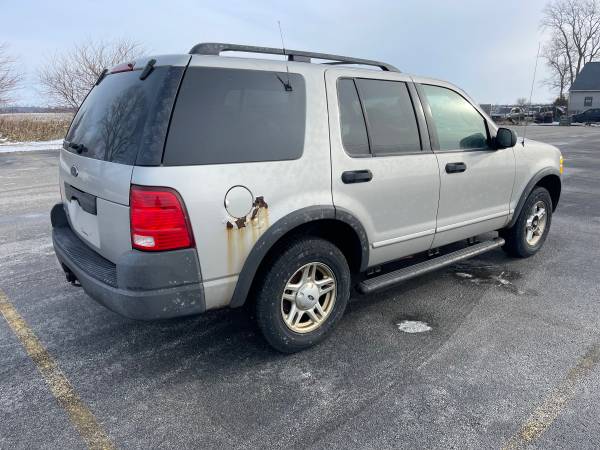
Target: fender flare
x=528 y=188
x=279 y=229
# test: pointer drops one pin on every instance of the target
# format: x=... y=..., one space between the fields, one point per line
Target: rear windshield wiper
x=79 y=148
x=147 y=69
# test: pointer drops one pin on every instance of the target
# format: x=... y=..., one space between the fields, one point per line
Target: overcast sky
x=486 y=47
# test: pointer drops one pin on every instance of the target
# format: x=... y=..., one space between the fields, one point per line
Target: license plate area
x=86 y=201
x=83 y=214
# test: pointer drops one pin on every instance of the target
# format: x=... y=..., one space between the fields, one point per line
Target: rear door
x=122 y=122
x=383 y=170
x=476 y=180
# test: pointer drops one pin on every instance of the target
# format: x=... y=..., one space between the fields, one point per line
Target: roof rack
x=216 y=48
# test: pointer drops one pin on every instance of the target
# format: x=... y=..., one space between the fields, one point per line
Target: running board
x=398 y=276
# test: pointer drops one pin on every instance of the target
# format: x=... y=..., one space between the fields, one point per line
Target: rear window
x=233 y=116
x=125 y=119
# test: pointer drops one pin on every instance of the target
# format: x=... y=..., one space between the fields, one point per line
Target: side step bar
x=398 y=276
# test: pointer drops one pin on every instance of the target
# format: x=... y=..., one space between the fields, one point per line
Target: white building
x=584 y=93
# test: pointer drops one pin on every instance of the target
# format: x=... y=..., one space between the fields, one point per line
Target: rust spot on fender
x=240 y=242
x=259 y=202
x=230 y=250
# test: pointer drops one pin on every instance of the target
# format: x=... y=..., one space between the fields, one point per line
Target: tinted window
x=391 y=120
x=230 y=116
x=354 y=131
x=458 y=124
x=125 y=119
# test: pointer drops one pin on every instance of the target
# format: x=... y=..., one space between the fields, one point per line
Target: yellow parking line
x=81 y=417
x=543 y=416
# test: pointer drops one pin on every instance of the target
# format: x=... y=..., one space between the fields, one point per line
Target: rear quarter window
x=235 y=115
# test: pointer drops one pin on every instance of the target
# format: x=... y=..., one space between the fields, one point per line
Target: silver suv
x=194 y=182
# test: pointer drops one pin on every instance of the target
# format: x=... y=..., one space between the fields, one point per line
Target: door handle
x=357 y=176
x=456 y=167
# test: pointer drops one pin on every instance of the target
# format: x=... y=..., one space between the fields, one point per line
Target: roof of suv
x=214 y=51
x=326 y=61
x=216 y=48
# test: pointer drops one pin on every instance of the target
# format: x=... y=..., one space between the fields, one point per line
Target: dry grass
x=34 y=126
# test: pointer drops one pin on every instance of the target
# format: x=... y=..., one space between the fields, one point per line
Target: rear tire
x=529 y=232
x=303 y=294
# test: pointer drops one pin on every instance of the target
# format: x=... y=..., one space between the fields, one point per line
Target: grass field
x=20 y=127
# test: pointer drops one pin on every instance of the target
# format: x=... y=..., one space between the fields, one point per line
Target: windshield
x=125 y=119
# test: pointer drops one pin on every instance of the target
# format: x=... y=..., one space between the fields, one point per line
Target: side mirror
x=505 y=138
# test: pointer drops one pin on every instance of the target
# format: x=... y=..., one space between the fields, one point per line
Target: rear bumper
x=141 y=285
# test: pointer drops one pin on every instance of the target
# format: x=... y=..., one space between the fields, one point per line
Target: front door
x=476 y=180
x=383 y=170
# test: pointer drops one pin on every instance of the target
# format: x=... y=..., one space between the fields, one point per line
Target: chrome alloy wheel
x=308 y=297
x=536 y=223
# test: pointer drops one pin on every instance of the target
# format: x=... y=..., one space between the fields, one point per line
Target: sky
x=486 y=47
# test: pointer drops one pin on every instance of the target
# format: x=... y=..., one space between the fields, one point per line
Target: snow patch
x=10 y=147
x=413 y=326
x=464 y=275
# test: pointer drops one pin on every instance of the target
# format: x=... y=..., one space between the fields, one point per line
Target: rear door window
x=234 y=115
x=390 y=116
x=124 y=119
x=352 y=121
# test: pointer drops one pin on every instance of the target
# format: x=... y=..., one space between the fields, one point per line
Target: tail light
x=159 y=220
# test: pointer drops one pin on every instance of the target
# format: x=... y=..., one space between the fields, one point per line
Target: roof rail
x=216 y=48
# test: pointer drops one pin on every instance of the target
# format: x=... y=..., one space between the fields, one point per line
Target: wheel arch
x=549 y=179
x=334 y=224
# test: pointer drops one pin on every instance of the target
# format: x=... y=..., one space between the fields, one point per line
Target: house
x=584 y=93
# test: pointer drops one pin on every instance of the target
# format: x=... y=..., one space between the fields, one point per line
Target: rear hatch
x=122 y=123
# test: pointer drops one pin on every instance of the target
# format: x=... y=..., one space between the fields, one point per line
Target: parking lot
x=512 y=357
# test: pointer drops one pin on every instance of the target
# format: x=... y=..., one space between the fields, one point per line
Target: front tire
x=529 y=233
x=303 y=294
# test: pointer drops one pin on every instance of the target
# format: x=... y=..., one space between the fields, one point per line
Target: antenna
x=281 y=36
x=531 y=92
x=287 y=86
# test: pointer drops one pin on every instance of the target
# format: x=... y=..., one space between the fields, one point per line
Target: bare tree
x=575 y=29
x=9 y=77
x=69 y=76
x=521 y=101
x=558 y=62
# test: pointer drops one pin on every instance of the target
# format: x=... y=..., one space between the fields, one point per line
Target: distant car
x=511 y=114
x=590 y=116
x=549 y=114
x=516 y=114
x=501 y=113
x=533 y=111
